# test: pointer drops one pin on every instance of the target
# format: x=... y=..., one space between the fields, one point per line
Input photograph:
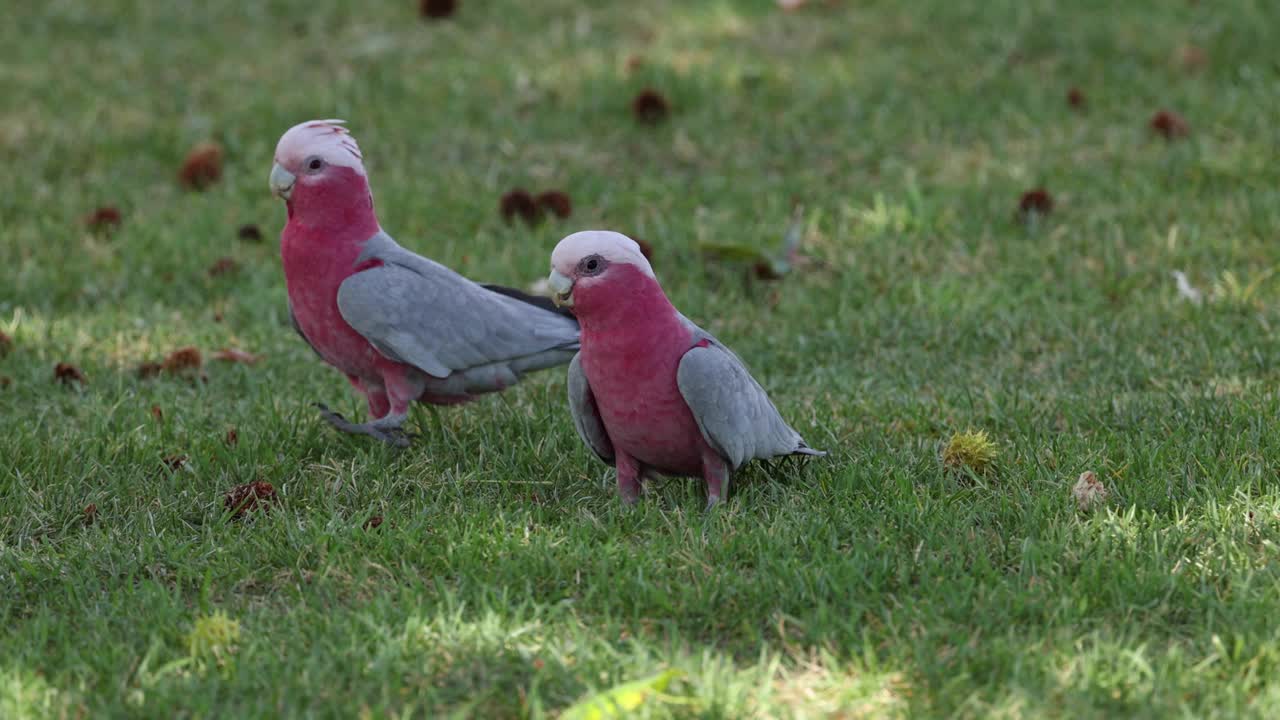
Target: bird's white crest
x=326 y=138
x=612 y=246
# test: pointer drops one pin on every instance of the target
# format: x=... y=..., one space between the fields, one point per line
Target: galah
x=650 y=391
x=399 y=326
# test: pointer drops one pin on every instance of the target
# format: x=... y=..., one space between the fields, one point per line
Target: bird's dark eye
x=315 y=164
x=592 y=265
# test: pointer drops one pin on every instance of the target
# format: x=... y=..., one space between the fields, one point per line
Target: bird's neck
x=631 y=305
x=340 y=205
x=328 y=226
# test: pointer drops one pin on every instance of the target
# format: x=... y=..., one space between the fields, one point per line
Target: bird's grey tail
x=806 y=450
x=538 y=301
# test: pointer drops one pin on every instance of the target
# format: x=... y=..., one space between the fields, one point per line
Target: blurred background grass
x=505 y=581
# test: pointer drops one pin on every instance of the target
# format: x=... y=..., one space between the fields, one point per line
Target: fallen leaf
x=1089 y=491
x=1075 y=98
x=231 y=438
x=555 y=202
x=66 y=373
x=182 y=360
x=373 y=522
x=622 y=700
x=174 y=463
x=234 y=355
x=1035 y=202
x=203 y=166
x=157 y=413
x=90 y=513
x=764 y=264
x=249 y=231
x=104 y=219
x=6 y=344
x=519 y=202
x=650 y=107
x=255 y=495
x=1170 y=125
x=437 y=9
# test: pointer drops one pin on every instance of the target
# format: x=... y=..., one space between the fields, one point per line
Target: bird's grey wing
x=586 y=416
x=421 y=313
x=734 y=413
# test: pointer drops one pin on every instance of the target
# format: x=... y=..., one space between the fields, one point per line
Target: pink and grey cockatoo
x=651 y=392
x=399 y=326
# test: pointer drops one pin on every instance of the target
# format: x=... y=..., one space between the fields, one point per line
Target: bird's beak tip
x=562 y=289
x=281 y=181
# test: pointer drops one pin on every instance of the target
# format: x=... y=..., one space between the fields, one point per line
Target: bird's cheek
x=587 y=294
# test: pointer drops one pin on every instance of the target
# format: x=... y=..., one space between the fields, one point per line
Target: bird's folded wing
x=586 y=416
x=419 y=312
x=734 y=413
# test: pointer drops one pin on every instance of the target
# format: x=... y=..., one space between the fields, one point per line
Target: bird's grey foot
x=387 y=428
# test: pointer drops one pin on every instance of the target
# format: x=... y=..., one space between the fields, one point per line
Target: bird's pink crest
x=327 y=139
x=612 y=246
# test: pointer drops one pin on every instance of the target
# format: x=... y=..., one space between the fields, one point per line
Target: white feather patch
x=327 y=139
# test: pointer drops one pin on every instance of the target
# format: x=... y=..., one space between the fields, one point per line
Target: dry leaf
x=182 y=359
x=66 y=373
x=250 y=496
x=203 y=166
x=174 y=463
x=104 y=219
x=1089 y=491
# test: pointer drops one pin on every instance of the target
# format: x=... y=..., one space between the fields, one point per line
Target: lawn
x=505 y=578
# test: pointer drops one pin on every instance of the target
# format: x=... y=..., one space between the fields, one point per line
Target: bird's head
x=593 y=267
x=318 y=162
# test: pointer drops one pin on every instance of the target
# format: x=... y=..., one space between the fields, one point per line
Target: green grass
x=506 y=580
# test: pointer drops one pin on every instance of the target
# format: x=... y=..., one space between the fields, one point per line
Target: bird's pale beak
x=562 y=288
x=281 y=181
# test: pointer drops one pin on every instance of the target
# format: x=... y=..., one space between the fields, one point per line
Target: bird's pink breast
x=631 y=367
x=313 y=271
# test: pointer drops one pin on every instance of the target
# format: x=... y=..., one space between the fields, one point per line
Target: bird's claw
x=328 y=414
x=393 y=436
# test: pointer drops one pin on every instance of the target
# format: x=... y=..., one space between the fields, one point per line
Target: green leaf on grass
x=616 y=701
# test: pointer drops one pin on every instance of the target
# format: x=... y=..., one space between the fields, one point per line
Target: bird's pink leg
x=628 y=477
x=716 y=472
x=378 y=403
x=389 y=405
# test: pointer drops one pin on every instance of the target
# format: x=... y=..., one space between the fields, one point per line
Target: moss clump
x=971 y=449
x=213 y=639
